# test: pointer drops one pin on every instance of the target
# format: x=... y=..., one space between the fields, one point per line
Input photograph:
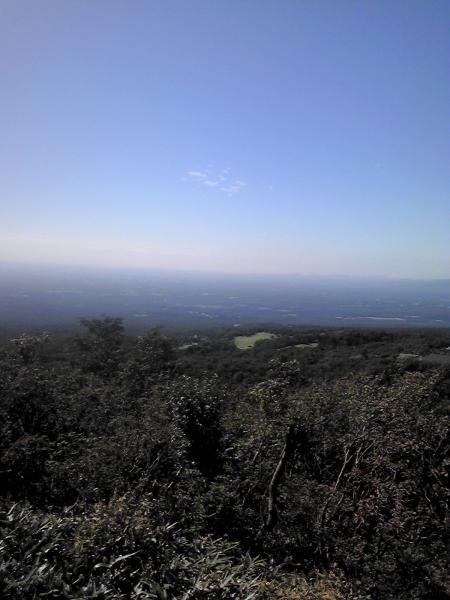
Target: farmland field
x=245 y=342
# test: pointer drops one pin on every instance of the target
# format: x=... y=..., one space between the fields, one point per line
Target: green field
x=311 y=345
x=245 y=342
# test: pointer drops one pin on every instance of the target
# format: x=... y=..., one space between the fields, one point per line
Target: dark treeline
x=158 y=467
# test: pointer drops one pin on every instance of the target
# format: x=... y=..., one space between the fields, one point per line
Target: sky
x=259 y=136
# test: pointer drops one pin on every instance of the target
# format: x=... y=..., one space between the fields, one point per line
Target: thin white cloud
x=197 y=174
x=234 y=188
x=219 y=179
x=224 y=174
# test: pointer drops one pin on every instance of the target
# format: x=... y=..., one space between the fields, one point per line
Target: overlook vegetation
x=313 y=466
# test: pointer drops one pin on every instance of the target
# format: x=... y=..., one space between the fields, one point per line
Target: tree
x=101 y=349
x=152 y=354
x=195 y=406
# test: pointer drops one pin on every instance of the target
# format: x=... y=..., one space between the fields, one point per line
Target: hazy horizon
x=71 y=268
x=271 y=137
x=34 y=296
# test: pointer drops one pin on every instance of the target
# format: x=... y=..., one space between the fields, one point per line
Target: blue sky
x=227 y=135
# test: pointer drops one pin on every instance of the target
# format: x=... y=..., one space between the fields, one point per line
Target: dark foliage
x=185 y=468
